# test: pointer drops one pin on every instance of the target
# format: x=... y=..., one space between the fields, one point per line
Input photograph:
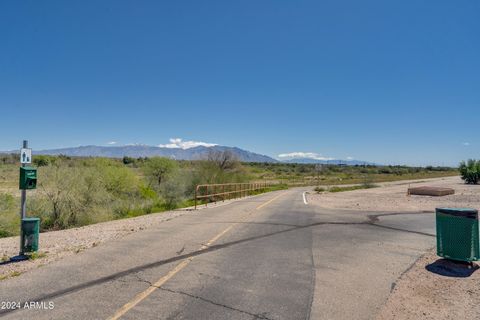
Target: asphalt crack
x=181 y=250
x=254 y=315
x=151 y=284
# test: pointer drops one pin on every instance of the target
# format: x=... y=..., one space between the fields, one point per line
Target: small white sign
x=25 y=155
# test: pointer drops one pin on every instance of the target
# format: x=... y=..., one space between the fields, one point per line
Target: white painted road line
x=305 y=198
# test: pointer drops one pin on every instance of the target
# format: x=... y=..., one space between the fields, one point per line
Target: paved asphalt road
x=265 y=257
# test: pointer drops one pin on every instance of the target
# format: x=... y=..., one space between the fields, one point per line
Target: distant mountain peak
x=197 y=152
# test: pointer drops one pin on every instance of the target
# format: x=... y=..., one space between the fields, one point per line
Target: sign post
x=25 y=160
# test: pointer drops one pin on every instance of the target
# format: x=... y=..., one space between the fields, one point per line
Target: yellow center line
x=269 y=201
x=144 y=294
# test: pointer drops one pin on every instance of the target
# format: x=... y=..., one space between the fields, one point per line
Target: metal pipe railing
x=211 y=192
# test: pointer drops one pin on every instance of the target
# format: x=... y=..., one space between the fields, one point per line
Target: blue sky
x=383 y=81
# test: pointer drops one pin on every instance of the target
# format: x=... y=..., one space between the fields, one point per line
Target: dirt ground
x=392 y=196
x=421 y=294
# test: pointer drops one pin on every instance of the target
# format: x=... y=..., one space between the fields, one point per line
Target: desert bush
x=120 y=181
x=219 y=168
x=9 y=218
x=73 y=196
x=42 y=161
x=173 y=191
x=368 y=182
x=157 y=169
x=61 y=197
x=9 y=158
x=128 y=160
x=470 y=171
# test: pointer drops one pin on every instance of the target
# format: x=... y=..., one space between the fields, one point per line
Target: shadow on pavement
x=454 y=269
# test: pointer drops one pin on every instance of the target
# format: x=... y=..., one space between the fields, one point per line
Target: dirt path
x=392 y=196
x=421 y=294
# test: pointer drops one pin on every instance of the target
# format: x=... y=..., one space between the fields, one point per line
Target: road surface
x=272 y=256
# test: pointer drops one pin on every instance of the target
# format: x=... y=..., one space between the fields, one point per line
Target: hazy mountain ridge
x=136 y=151
x=195 y=153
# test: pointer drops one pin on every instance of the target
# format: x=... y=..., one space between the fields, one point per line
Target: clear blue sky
x=383 y=81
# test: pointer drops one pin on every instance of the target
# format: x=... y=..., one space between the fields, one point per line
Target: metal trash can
x=458 y=234
x=30 y=231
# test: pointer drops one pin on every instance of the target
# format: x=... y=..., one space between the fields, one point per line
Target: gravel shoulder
x=392 y=196
x=421 y=294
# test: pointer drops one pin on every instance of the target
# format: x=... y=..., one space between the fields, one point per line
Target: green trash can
x=30 y=231
x=458 y=234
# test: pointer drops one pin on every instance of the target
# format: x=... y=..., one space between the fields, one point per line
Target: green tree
x=128 y=160
x=41 y=160
x=470 y=171
x=158 y=169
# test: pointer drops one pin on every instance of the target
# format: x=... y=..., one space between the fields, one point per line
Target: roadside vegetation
x=75 y=192
x=366 y=184
x=343 y=188
x=327 y=175
x=470 y=171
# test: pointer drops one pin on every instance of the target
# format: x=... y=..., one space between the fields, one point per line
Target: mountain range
x=136 y=151
x=194 y=153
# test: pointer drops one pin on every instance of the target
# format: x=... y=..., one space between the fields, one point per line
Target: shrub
x=9 y=219
x=158 y=169
x=120 y=181
x=128 y=160
x=71 y=196
x=41 y=160
x=58 y=204
x=173 y=192
x=470 y=171
x=368 y=182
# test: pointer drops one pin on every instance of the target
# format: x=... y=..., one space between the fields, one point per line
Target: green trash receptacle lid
x=459 y=212
x=30 y=223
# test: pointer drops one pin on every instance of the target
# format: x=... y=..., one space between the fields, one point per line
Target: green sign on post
x=28 y=178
